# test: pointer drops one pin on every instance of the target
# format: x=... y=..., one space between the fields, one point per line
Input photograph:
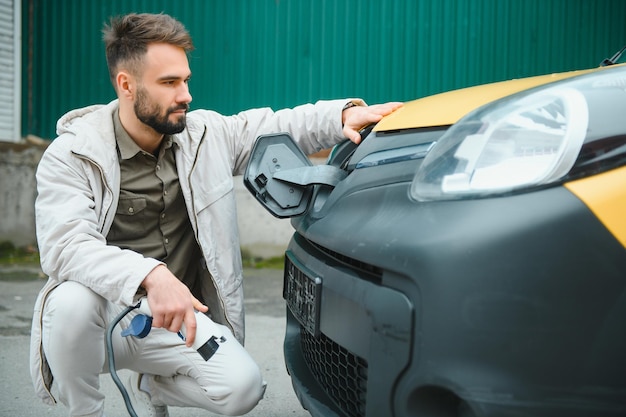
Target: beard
x=151 y=114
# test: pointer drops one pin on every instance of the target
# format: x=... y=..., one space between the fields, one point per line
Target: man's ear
x=125 y=85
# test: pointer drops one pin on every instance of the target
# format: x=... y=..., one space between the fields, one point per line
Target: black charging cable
x=111 y=356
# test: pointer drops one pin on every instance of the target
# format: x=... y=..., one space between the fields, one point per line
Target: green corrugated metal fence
x=279 y=53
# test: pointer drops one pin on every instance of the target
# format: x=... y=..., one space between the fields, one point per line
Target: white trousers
x=74 y=327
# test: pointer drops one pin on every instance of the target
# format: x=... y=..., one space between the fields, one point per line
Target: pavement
x=265 y=327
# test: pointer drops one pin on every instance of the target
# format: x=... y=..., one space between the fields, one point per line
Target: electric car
x=467 y=259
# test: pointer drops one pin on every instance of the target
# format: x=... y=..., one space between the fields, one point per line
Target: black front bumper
x=501 y=307
x=362 y=323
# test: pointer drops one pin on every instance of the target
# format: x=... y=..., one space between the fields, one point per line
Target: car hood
x=447 y=108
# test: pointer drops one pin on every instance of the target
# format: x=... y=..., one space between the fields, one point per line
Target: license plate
x=303 y=294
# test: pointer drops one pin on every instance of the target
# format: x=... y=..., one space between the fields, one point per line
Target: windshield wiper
x=613 y=60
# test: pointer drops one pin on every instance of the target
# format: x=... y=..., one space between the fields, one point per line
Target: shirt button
x=167 y=240
x=162 y=215
x=131 y=210
x=165 y=192
x=158 y=167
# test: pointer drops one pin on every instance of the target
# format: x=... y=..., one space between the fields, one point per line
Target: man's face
x=162 y=97
x=166 y=121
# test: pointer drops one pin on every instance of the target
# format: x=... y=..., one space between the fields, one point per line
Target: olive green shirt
x=151 y=216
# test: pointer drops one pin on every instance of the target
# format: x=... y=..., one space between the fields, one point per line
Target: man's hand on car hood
x=357 y=117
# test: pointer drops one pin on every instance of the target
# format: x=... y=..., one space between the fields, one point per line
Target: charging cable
x=111 y=356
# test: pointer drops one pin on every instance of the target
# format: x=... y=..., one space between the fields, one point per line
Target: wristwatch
x=348 y=105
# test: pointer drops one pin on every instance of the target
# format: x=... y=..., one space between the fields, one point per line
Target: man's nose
x=184 y=96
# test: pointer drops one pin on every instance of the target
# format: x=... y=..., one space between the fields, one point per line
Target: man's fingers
x=352 y=134
x=386 y=108
x=198 y=305
x=358 y=117
x=175 y=323
x=165 y=321
x=190 y=328
x=157 y=321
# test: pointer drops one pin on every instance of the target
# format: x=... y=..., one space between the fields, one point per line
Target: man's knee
x=75 y=308
x=72 y=337
x=247 y=389
x=239 y=391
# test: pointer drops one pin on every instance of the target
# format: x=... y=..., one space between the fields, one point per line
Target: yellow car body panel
x=447 y=108
x=605 y=196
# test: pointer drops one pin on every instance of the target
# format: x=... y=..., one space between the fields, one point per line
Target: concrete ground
x=265 y=325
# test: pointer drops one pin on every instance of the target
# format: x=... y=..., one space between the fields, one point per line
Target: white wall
x=17 y=192
x=10 y=70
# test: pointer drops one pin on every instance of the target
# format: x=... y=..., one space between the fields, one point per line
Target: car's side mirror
x=281 y=177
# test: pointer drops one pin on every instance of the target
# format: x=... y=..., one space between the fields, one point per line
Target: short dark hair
x=126 y=39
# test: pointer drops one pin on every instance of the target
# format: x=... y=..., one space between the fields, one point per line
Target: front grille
x=339 y=372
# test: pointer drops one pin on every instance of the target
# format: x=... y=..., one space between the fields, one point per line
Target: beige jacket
x=78 y=182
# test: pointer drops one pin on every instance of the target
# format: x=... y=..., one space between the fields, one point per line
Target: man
x=136 y=198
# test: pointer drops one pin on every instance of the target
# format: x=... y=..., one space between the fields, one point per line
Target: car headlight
x=517 y=142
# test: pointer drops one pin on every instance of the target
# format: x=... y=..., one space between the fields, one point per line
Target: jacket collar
x=94 y=130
